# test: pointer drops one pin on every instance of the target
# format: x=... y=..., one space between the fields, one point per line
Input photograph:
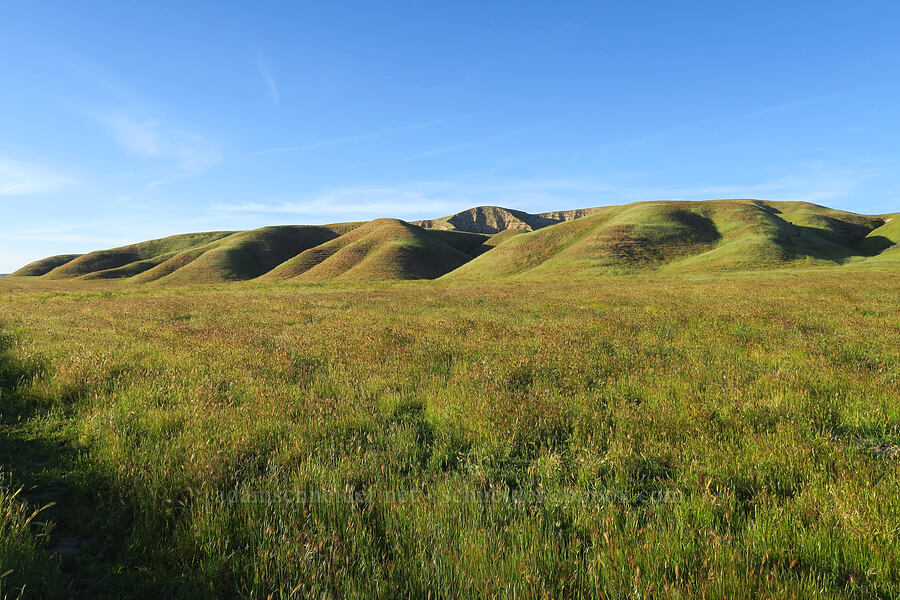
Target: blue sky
x=123 y=121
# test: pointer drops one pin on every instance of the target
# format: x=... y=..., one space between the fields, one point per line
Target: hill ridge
x=488 y=242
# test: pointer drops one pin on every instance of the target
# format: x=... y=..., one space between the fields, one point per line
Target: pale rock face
x=493 y=219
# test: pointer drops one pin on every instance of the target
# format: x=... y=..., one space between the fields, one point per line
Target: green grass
x=23 y=567
x=682 y=435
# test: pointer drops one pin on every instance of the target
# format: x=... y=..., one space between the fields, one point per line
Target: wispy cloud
x=58 y=233
x=22 y=178
x=424 y=199
x=793 y=104
x=351 y=202
x=138 y=136
x=262 y=66
x=135 y=124
x=337 y=141
x=19 y=247
x=191 y=152
x=823 y=182
x=473 y=143
x=72 y=63
x=654 y=136
x=817 y=183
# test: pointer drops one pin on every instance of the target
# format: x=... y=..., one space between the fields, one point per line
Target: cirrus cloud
x=19 y=178
x=191 y=152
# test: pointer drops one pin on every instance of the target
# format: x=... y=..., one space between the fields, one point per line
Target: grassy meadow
x=649 y=436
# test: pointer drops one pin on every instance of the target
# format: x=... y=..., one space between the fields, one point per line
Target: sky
x=125 y=121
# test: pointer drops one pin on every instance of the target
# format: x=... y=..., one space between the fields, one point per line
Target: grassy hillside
x=680 y=236
x=671 y=236
x=45 y=265
x=380 y=249
x=137 y=257
x=727 y=435
x=173 y=263
x=249 y=254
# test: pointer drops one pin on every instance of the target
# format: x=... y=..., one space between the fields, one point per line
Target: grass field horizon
x=661 y=434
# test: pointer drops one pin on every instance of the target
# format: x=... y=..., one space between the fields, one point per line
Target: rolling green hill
x=492 y=242
x=380 y=249
x=247 y=254
x=126 y=261
x=681 y=236
x=44 y=265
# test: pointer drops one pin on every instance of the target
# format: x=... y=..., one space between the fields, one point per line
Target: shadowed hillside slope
x=883 y=243
x=680 y=236
x=380 y=249
x=495 y=240
x=464 y=241
x=247 y=254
